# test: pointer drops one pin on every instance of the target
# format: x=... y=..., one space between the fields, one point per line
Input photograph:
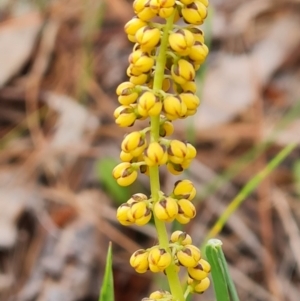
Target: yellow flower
x=177 y=151
x=194 y=13
x=199 y=52
x=163 y=8
x=182 y=72
x=184 y=189
x=166 y=209
x=157 y=295
x=140 y=213
x=142 y=9
x=159 y=259
x=134 y=143
x=174 y=107
x=186 y=211
x=181 y=237
x=200 y=271
x=141 y=61
x=200 y=286
x=122 y=215
x=124 y=174
x=139 y=261
x=198 y=34
x=149 y=104
x=181 y=41
x=125 y=116
x=125 y=157
x=132 y=26
x=148 y=37
x=155 y=154
x=189 y=256
x=139 y=79
x=191 y=100
x=166 y=129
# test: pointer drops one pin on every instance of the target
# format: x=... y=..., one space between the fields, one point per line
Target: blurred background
x=60 y=63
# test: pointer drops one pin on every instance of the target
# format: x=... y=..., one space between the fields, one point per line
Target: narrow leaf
x=107 y=289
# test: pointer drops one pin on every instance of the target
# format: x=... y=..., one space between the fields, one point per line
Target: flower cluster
x=161 y=87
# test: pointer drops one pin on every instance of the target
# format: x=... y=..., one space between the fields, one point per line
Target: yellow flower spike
x=139 y=261
x=182 y=237
x=149 y=104
x=132 y=26
x=155 y=154
x=198 y=52
x=202 y=286
x=177 y=151
x=125 y=116
x=166 y=209
x=174 y=169
x=148 y=37
x=125 y=157
x=198 y=34
x=181 y=41
x=200 y=271
x=184 y=189
x=140 y=213
x=191 y=100
x=159 y=259
x=166 y=129
x=124 y=174
x=122 y=215
x=139 y=79
x=141 y=61
x=194 y=13
x=189 y=256
x=186 y=211
x=134 y=143
x=174 y=107
x=142 y=9
x=182 y=72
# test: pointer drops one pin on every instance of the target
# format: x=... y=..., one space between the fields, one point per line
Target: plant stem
x=172 y=274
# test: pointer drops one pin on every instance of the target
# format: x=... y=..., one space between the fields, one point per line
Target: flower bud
x=127 y=93
x=141 y=61
x=191 y=151
x=198 y=34
x=200 y=286
x=142 y=9
x=194 y=13
x=139 y=79
x=166 y=209
x=174 y=107
x=159 y=259
x=177 y=151
x=163 y=8
x=124 y=174
x=191 y=100
x=166 y=129
x=184 y=189
x=189 y=256
x=134 y=143
x=125 y=116
x=181 y=237
x=122 y=215
x=132 y=26
x=198 y=53
x=148 y=37
x=149 y=104
x=186 y=211
x=140 y=213
x=125 y=157
x=200 y=271
x=181 y=41
x=139 y=261
x=182 y=72
x=155 y=154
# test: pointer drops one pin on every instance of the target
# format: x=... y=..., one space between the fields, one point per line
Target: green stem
x=172 y=275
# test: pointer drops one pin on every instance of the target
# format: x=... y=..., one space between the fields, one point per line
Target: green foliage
x=107 y=289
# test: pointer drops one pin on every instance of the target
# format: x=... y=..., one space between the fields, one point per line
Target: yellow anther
x=184 y=189
x=124 y=174
x=181 y=237
x=181 y=41
x=149 y=104
x=177 y=151
x=125 y=116
x=166 y=209
x=132 y=26
x=148 y=37
x=189 y=256
x=139 y=261
x=134 y=143
x=200 y=271
x=166 y=129
x=174 y=107
x=194 y=13
x=159 y=259
x=155 y=154
x=182 y=72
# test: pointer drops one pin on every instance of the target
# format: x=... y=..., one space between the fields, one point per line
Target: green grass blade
x=247 y=189
x=107 y=288
x=220 y=284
